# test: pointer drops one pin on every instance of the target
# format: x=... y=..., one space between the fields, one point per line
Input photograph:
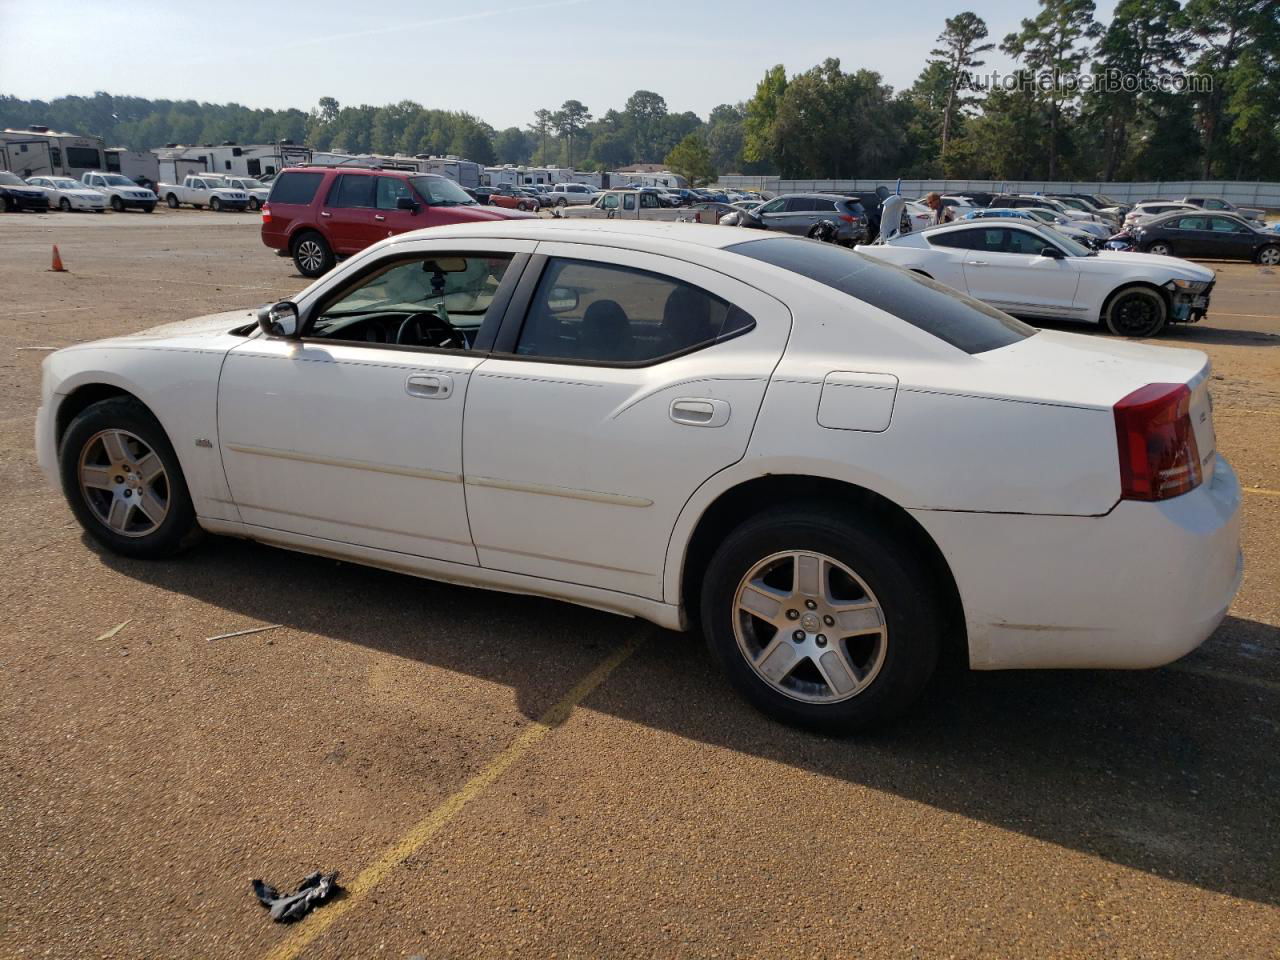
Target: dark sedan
x=1215 y=236
x=17 y=194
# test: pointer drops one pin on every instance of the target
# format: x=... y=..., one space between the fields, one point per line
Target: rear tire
x=312 y=255
x=1269 y=256
x=1136 y=312
x=873 y=606
x=158 y=518
x=172 y=201
x=1161 y=248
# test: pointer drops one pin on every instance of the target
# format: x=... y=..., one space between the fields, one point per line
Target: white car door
x=626 y=382
x=347 y=435
x=1004 y=267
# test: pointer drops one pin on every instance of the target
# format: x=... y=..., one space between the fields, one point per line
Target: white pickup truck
x=198 y=191
x=256 y=189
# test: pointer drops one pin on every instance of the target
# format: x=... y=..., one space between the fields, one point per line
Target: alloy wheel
x=310 y=254
x=1136 y=314
x=810 y=627
x=124 y=483
x=1270 y=256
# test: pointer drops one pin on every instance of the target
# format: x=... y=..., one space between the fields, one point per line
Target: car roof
x=593 y=231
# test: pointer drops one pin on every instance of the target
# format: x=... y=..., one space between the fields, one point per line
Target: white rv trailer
x=37 y=151
x=520 y=175
x=241 y=160
x=466 y=173
x=134 y=164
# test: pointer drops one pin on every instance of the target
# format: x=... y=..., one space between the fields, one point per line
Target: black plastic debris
x=286 y=908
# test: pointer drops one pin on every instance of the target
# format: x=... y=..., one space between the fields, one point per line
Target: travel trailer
x=37 y=150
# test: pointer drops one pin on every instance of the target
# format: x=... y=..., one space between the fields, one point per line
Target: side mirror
x=562 y=299
x=407 y=203
x=1053 y=253
x=279 y=319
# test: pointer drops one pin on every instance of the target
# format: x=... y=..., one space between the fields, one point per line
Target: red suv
x=318 y=214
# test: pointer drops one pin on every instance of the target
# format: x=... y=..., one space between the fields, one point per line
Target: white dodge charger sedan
x=1036 y=273
x=837 y=469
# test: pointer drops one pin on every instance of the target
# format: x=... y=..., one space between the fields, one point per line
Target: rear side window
x=959 y=239
x=297 y=188
x=352 y=190
x=952 y=317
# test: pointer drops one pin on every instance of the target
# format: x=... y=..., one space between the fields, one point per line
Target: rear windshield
x=295 y=187
x=947 y=314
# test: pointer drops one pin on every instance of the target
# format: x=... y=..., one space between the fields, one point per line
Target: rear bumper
x=1139 y=587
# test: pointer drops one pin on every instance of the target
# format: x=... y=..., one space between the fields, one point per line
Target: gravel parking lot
x=497 y=775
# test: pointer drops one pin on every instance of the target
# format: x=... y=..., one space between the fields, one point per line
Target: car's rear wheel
x=1161 y=249
x=1269 y=256
x=821 y=618
x=312 y=255
x=123 y=481
x=1136 y=312
x=561 y=202
x=117 y=204
x=64 y=205
x=215 y=204
x=172 y=200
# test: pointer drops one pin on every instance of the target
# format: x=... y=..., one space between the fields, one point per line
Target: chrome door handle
x=378 y=216
x=700 y=412
x=324 y=213
x=429 y=387
x=975 y=263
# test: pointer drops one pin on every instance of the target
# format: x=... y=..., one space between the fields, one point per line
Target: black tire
x=117 y=205
x=215 y=205
x=149 y=208
x=4 y=205
x=1161 y=248
x=312 y=254
x=254 y=203
x=1136 y=312
x=902 y=586
x=172 y=201
x=1269 y=256
x=64 y=205
x=179 y=529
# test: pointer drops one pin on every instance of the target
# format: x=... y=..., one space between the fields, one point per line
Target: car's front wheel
x=254 y=203
x=123 y=481
x=64 y=205
x=215 y=205
x=1160 y=249
x=1136 y=312
x=821 y=618
x=117 y=204
x=312 y=255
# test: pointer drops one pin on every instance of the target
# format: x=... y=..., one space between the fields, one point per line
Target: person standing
x=941 y=212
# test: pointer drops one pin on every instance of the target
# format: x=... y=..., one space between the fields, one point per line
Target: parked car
x=67 y=194
x=709 y=212
x=121 y=192
x=513 y=198
x=16 y=194
x=317 y=214
x=840 y=471
x=801 y=213
x=683 y=194
x=1049 y=218
x=1048 y=203
x=1225 y=206
x=204 y=191
x=572 y=194
x=1222 y=236
x=622 y=204
x=1034 y=272
x=255 y=189
x=1112 y=212
x=1150 y=209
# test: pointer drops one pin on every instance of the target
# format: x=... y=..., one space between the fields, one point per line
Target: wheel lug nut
x=793 y=614
x=821 y=640
x=829 y=620
x=811 y=604
x=119 y=479
x=798 y=636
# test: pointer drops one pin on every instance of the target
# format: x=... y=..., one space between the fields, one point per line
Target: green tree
x=571 y=117
x=762 y=112
x=691 y=159
x=541 y=127
x=959 y=45
x=512 y=145
x=724 y=136
x=644 y=113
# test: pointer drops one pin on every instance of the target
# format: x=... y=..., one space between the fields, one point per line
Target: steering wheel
x=430 y=330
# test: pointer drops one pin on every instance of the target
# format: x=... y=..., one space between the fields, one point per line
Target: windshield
x=11 y=178
x=1072 y=248
x=65 y=183
x=252 y=184
x=116 y=180
x=440 y=192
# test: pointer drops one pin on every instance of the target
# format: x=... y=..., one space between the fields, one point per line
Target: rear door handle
x=378 y=216
x=325 y=213
x=700 y=412
x=976 y=263
x=429 y=386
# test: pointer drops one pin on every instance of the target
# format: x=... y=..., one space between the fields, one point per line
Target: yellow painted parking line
x=426 y=828
x=1260 y=682
x=1261 y=491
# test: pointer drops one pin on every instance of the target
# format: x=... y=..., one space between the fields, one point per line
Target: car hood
x=206 y=327
x=24 y=189
x=478 y=214
x=1175 y=265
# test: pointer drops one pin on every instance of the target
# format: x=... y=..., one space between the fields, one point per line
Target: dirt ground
x=504 y=776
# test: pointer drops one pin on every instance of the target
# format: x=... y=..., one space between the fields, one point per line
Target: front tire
x=215 y=205
x=821 y=618
x=254 y=203
x=561 y=202
x=117 y=205
x=1136 y=312
x=1269 y=256
x=312 y=255
x=64 y=205
x=124 y=483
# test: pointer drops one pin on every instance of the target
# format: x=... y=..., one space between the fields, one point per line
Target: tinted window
x=952 y=317
x=599 y=313
x=628 y=201
x=352 y=190
x=1189 y=223
x=1021 y=241
x=82 y=157
x=1225 y=225
x=295 y=187
x=391 y=191
x=960 y=239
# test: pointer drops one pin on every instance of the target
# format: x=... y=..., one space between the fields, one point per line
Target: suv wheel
x=215 y=204
x=821 y=618
x=312 y=255
x=123 y=481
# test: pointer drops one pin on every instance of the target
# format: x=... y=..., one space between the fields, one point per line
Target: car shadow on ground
x=1174 y=772
x=1176 y=334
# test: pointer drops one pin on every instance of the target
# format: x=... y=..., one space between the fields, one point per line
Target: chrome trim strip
x=617 y=499
x=440 y=475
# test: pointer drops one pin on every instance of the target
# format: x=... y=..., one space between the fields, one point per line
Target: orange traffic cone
x=57 y=262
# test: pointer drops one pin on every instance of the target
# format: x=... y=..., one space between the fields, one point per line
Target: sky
x=499 y=60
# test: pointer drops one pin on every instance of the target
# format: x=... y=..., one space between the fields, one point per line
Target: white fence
x=1243 y=193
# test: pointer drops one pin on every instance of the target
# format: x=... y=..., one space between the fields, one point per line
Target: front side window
x=352 y=190
x=1022 y=242
x=433 y=300
x=773 y=206
x=629 y=201
x=600 y=313
x=391 y=191
x=610 y=202
x=441 y=192
x=1213 y=204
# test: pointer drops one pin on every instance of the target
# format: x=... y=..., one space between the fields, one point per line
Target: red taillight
x=266 y=214
x=1159 y=457
x=848 y=219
